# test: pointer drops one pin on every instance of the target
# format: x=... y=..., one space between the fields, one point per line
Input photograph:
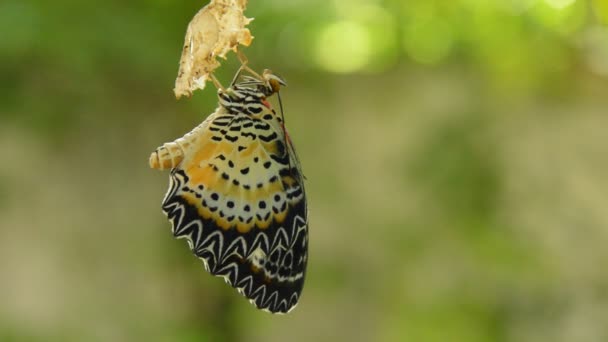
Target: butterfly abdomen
x=170 y=154
x=167 y=156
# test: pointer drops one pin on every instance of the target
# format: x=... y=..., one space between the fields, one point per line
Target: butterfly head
x=272 y=83
x=249 y=95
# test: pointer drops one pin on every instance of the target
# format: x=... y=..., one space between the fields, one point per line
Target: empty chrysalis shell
x=216 y=29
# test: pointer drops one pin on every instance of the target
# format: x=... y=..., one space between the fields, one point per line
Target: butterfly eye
x=273 y=81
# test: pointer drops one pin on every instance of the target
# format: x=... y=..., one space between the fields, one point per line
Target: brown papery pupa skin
x=216 y=29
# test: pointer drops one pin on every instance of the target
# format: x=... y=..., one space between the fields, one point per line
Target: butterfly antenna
x=281 y=109
x=285 y=138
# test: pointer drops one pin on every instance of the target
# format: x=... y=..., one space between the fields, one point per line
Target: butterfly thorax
x=247 y=100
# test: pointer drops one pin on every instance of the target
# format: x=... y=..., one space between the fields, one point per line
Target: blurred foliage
x=455 y=155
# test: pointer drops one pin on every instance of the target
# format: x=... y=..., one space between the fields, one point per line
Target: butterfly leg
x=217 y=83
x=244 y=61
x=236 y=76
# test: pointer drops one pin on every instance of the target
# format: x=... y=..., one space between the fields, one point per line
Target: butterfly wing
x=238 y=197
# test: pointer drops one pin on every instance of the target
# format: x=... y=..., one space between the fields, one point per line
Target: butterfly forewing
x=237 y=195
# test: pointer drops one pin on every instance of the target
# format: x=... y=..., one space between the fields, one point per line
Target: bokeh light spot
x=381 y=28
x=343 y=47
x=559 y=4
x=562 y=16
x=601 y=10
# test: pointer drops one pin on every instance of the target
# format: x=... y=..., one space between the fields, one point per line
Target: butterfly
x=236 y=194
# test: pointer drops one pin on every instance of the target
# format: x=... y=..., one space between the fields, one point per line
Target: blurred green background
x=456 y=155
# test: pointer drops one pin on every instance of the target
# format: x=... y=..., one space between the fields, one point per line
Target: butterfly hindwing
x=237 y=196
